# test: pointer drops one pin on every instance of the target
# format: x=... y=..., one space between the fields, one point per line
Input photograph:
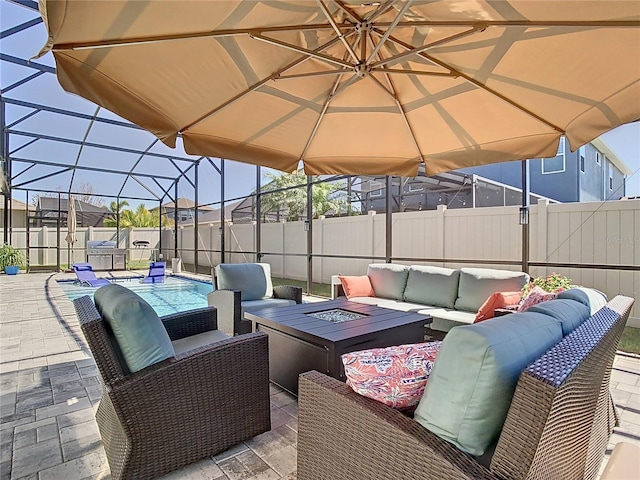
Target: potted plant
x=554 y=283
x=11 y=259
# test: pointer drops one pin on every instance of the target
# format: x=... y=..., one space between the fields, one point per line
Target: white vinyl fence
x=593 y=233
x=43 y=243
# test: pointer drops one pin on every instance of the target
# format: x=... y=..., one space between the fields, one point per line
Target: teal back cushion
x=142 y=338
x=432 y=286
x=592 y=298
x=569 y=313
x=388 y=280
x=472 y=382
x=477 y=284
x=252 y=279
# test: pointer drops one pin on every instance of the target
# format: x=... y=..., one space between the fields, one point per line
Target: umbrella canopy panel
x=356 y=88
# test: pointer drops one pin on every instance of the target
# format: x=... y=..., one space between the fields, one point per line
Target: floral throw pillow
x=395 y=376
x=535 y=296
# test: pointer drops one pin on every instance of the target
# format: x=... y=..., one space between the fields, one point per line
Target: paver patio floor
x=49 y=390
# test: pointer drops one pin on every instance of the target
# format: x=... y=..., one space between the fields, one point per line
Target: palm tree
x=140 y=218
x=116 y=208
x=325 y=197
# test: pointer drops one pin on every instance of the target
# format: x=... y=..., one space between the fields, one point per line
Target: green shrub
x=551 y=283
x=10 y=256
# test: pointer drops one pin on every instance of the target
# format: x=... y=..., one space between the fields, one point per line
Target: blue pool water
x=176 y=294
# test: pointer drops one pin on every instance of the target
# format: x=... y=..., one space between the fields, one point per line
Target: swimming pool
x=176 y=294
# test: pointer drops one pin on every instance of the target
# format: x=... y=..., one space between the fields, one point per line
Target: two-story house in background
x=591 y=173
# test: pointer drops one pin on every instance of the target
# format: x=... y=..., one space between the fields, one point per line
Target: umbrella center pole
x=363 y=30
x=362 y=70
x=364 y=27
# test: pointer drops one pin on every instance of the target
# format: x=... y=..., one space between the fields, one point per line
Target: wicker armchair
x=184 y=408
x=231 y=303
x=558 y=425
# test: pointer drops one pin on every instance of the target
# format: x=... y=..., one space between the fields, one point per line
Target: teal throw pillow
x=140 y=334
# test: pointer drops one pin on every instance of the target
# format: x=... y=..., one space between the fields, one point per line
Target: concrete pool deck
x=49 y=390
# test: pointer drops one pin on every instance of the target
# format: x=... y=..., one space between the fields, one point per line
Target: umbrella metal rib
x=481 y=85
x=390 y=29
x=295 y=48
x=257 y=85
x=328 y=100
x=341 y=36
x=415 y=51
x=394 y=95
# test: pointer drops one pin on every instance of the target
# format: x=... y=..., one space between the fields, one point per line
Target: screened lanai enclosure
x=56 y=146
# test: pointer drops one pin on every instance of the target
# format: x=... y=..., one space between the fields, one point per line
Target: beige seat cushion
x=389 y=303
x=444 y=319
x=195 y=341
x=251 y=305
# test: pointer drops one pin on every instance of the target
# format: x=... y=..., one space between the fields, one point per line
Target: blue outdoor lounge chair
x=156 y=273
x=86 y=276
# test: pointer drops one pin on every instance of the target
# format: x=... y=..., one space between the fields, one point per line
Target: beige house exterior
x=18 y=212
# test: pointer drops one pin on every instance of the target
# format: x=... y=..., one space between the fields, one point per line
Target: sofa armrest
x=228 y=305
x=288 y=292
x=344 y=435
x=192 y=322
x=212 y=387
x=563 y=398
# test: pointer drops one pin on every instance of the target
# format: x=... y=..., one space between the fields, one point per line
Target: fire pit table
x=313 y=336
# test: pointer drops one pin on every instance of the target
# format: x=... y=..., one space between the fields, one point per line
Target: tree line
x=283 y=197
x=141 y=217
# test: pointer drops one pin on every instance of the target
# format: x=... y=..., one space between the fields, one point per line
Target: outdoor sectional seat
x=521 y=396
x=175 y=389
x=451 y=297
x=244 y=287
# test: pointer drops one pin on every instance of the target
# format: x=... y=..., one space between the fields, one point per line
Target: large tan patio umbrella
x=355 y=86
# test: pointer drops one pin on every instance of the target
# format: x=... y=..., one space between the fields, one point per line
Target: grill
x=103 y=255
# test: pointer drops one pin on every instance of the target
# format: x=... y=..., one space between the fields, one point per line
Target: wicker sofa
x=212 y=394
x=451 y=297
x=557 y=426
